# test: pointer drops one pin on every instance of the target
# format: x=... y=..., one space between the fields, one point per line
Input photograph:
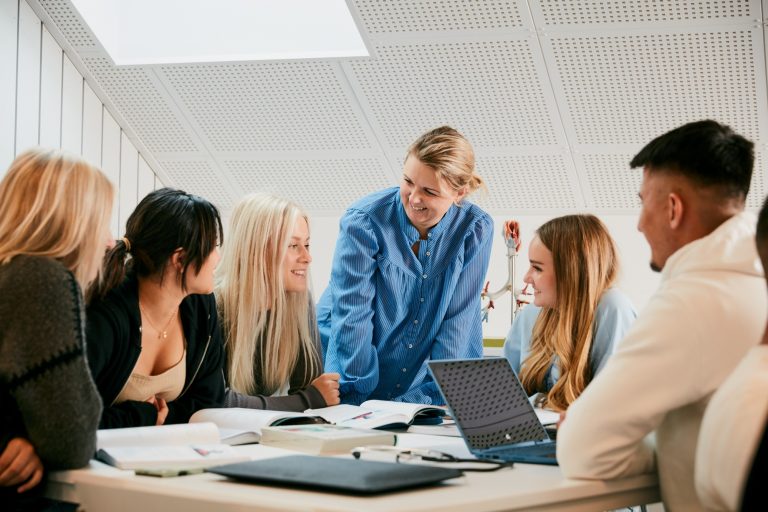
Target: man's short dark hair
x=706 y=152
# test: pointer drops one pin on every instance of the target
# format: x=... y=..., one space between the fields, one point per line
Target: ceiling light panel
x=492 y=91
x=276 y=106
x=146 y=32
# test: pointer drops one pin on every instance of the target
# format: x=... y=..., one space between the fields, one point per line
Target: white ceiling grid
x=555 y=95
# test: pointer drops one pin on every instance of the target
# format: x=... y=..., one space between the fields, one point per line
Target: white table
x=523 y=487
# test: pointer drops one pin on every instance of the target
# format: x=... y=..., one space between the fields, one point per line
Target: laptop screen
x=489 y=404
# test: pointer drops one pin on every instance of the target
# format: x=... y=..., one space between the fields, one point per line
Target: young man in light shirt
x=732 y=456
x=709 y=310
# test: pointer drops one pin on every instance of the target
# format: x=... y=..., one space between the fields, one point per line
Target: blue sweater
x=613 y=318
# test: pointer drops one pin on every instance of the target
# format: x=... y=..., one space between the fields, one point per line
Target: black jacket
x=114 y=345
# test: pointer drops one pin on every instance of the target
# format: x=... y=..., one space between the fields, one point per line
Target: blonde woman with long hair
x=267 y=317
x=559 y=343
x=54 y=229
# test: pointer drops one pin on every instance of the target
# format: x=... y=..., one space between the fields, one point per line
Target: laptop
x=492 y=410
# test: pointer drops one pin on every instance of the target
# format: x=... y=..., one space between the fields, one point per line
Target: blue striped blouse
x=386 y=311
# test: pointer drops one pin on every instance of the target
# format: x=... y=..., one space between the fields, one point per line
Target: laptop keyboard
x=545 y=450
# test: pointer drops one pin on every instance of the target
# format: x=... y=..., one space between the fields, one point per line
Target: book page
x=339 y=413
x=162 y=435
x=407 y=409
x=171 y=456
x=248 y=420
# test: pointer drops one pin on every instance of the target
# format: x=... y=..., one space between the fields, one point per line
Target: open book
x=171 y=447
x=381 y=414
x=241 y=426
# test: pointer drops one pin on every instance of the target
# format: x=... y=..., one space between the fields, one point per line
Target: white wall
x=636 y=280
x=45 y=101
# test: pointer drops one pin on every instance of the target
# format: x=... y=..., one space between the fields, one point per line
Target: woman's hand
x=328 y=386
x=20 y=465
x=162 y=409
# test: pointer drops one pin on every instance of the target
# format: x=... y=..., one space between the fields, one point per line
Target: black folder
x=349 y=476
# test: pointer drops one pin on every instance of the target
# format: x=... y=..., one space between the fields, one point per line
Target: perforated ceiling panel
x=278 y=106
x=397 y=16
x=140 y=103
x=199 y=178
x=631 y=88
x=527 y=182
x=612 y=184
x=68 y=21
x=560 y=13
x=759 y=187
x=553 y=94
x=307 y=181
x=490 y=90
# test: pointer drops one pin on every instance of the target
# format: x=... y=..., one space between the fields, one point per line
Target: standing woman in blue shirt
x=406 y=277
x=559 y=343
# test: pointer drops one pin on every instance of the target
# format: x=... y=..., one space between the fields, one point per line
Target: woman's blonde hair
x=451 y=155
x=586 y=265
x=56 y=205
x=259 y=317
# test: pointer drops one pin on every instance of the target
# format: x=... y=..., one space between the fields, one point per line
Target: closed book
x=323 y=439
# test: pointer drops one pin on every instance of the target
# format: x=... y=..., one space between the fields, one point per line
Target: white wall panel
x=110 y=161
x=50 y=91
x=146 y=179
x=28 y=80
x=92 y=112
x=9 y=10
x=129 y=170
x=71 y=108
x=158 y=183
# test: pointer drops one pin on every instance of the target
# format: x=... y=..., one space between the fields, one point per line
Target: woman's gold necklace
x=161 y=333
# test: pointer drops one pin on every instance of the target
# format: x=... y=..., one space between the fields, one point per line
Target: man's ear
x=675 y=209
x=177 y=259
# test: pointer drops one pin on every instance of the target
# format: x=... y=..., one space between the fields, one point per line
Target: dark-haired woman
x=154 y=346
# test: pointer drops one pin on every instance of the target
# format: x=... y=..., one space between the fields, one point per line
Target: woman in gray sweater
x=54 y=227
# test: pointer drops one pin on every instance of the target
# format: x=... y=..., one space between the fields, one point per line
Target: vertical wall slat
x=71 y=108
x=92 y=113
x=9 y=20
x=110 y=161
x=50 y=92
x=146 y=179
x=129 y=179
x=28 y=80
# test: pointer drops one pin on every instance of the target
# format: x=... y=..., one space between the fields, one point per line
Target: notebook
x=492 y=410
x=349 y=476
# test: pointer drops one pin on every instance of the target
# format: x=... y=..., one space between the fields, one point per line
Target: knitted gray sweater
x=47 y=394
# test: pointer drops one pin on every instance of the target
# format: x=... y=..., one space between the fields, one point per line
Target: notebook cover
x=348 y=476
